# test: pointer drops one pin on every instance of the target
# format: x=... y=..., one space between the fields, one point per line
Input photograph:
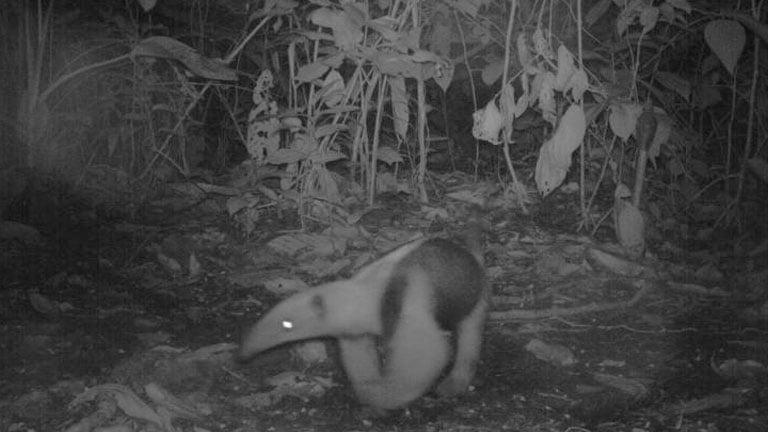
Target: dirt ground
x=134 y=326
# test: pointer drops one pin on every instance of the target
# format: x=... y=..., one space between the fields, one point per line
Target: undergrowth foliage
x=345 y=98
x=347 y=74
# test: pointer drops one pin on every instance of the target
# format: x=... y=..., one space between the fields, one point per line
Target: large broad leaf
x=555 y=154
x=311 y=72
x=524 y=55
x=386 y=26
x=328 y=129
x=492 y=71
x=388 y=155
x=623 y=118
x=147 y=5
x=332 y=91
x=396 y=64
x=441 y=72
x=346 y=25
x=565 y=68
x=578 y=84
x=488 y=123
x=545 y=82
x=681 y=4
x=726 y=38
x=569 y=77
x=165 y=47
x=649 y=16
x=596 y=12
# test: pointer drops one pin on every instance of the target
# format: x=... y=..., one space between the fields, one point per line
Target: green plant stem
x=53 y=87
x=471 y=86
x=582 y=152
x=422 y=124
x=756 y=11
x=375 y=147
x=519 y=189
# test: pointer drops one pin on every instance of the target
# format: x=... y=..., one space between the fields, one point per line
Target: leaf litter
x=570 y=315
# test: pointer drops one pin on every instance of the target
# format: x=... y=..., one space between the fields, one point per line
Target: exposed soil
x=93 y=304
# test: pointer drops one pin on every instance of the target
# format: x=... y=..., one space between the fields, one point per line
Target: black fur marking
x=455 y=275
x=392 y=303
x=317 y=303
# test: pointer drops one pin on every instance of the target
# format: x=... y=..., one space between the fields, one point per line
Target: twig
x=237 y=376
x=698 y=289
x=515 y=315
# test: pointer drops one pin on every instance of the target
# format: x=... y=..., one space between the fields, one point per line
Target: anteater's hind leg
x=469 y=336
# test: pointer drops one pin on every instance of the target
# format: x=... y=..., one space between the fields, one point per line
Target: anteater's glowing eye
x=287 y=324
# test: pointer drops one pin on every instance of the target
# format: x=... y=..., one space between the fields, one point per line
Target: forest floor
x=134 y=325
